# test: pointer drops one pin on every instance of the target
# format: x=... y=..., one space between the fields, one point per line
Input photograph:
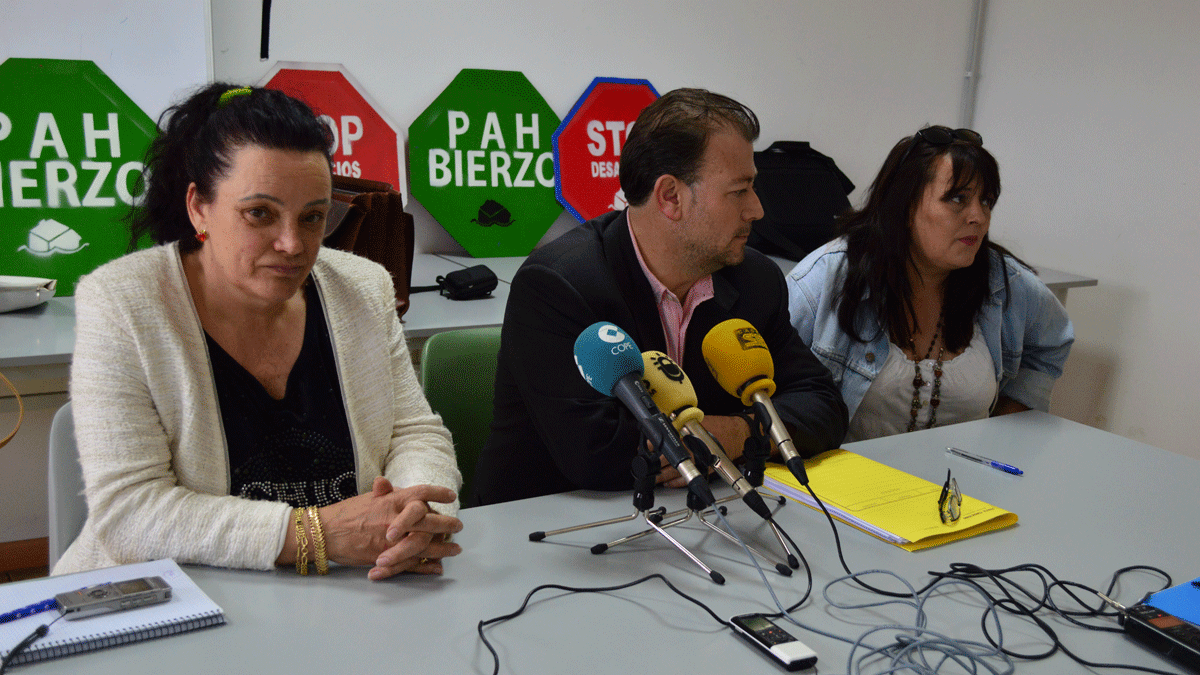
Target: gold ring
x=423 y=561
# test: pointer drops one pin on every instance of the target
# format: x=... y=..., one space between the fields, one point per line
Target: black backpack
x=802 y=192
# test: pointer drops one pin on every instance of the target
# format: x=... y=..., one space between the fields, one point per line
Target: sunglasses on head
x=942 y=136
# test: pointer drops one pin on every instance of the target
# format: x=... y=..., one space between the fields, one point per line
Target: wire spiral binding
x=56 y=648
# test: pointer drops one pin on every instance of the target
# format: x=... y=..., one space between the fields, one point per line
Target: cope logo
x=611 y=334
x=749 y=338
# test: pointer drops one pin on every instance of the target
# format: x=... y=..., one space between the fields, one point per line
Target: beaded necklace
x=918 y=381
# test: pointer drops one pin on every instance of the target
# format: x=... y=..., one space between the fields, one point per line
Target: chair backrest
x=458 y=374
x=68 y=509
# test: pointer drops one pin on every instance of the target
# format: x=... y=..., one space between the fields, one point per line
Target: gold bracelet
x=301 y=543
x=314 y=521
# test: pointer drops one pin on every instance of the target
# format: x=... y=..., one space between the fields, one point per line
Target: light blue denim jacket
x=1029 y=339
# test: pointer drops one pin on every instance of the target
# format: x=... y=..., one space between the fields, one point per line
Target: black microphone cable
x=971 y=574
x=907 y=653
x=587 y=589
x=965 y=574
x=915 y=648
x=720 y=511
x=37 y=634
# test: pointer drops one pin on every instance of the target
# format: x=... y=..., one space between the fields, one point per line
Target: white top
x=968 y=391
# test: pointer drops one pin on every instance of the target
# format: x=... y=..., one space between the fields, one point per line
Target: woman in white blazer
x=244 y=397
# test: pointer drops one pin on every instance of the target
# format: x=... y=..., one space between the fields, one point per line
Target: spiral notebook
x=188 y=609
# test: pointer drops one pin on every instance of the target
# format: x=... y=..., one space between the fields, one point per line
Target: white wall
x=122 y=37
x=840 y=75
x=1093 y=109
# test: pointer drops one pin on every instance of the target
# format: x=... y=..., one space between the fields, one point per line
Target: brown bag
x=368 y=219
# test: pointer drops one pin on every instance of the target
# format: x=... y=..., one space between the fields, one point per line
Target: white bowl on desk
x=21 y=292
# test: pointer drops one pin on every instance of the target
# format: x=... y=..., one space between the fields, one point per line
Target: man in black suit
x=665 y=270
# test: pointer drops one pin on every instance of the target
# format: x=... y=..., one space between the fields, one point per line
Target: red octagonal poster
x=366 y=144
x=587 y=145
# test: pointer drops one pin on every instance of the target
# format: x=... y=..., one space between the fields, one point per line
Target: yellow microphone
x=739 y=360
x=675 y=396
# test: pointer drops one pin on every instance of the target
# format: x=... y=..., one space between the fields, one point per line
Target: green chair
x=458 y=374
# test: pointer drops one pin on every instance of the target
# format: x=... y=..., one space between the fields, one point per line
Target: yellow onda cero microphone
x=675 y=396
x=739 y=360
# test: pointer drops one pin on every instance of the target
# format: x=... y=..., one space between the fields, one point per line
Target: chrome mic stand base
x=656 y=526
x=757 y=451
x=779 y=565
x=673 y=518
x=645 y=468
x=656 y=514
x=792 y=561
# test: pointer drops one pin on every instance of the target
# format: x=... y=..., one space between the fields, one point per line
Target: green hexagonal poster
x=71 y=149
x=482 y=162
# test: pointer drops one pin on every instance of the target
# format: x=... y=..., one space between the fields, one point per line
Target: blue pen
x=1007 y=468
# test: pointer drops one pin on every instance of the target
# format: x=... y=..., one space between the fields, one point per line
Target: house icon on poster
x=49 y=237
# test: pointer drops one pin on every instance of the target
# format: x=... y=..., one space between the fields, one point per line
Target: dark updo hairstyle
x=196 y=142
x=879 y=243
x=671 y=135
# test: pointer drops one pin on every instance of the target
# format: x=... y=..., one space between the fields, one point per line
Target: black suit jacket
x=553 y=432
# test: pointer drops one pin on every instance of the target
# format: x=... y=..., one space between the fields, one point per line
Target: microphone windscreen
x=604 y=354
x=668 y=385
x=737 y=355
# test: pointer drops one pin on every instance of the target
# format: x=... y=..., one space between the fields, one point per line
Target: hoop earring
x=202 y=236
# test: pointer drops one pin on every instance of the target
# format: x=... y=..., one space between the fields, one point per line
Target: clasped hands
x=392 y=530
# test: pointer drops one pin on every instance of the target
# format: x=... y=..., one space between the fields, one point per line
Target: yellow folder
x=894 y=506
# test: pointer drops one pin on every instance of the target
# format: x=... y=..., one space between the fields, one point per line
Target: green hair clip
x=232 y=94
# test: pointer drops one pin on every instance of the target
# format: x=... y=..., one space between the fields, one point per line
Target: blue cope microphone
x=610 y=361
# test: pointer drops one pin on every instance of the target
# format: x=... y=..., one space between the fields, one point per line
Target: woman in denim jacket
x=922 y=320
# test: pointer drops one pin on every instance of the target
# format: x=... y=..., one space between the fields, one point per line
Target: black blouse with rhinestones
x=295 y=450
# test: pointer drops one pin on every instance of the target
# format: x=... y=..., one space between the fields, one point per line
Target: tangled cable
x=916 y=647
x=1010 y=602
x=1013 y=592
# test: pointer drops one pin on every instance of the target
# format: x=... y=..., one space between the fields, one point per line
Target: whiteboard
x=154 y=50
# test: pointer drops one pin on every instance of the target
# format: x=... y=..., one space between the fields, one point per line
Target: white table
x=430 y=312
x=1060 y=282
x=1076 y=517
x=505 y=268
x=45 y=335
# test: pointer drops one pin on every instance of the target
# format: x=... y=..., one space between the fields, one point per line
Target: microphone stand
x=645 y=473
x=756 y=452
x=697 y=508
x=705 y=459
